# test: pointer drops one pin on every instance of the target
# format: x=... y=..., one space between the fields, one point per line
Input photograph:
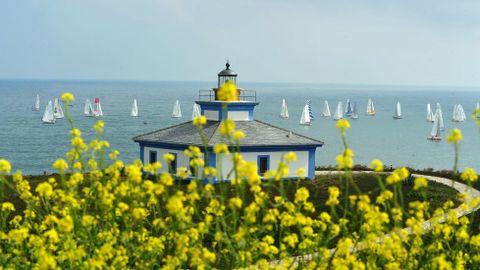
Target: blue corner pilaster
x=311 y=163
x=142 y=153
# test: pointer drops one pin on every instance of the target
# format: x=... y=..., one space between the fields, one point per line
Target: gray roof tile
x=258 y=133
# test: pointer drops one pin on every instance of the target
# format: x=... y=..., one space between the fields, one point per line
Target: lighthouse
x=264 y=144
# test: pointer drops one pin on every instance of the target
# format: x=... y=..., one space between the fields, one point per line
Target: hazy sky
x=433 y=42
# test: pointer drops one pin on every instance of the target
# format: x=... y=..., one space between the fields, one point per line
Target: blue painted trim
x=243 y=148
x=213 y=160
x=311 y=164
x=142 y=153
x=278 y=148
x=258 y=163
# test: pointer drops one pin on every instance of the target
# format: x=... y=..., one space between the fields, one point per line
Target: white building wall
x=238 y=115
x=182 y=160
x=275 y=157
x=211 y=115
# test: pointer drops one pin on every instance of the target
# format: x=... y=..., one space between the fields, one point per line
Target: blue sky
x=432 y=42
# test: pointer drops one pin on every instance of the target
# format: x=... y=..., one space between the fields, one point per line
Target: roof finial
x=227 y=64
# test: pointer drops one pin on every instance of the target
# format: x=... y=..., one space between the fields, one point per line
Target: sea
x=32 y=146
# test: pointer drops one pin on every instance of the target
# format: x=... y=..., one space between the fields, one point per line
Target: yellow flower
x=376 y=165
x=88 y=220
x=5 y=166
x=114 y=154
x=235 y=203
x=67 y=97
x=210 y=171
x=227 y=127
x=199 y=120
x=221 y=148
x=301 y=195
x=8 y=206
x=469 y=175
x=420 y=183
x=238 y=135
x=344 y=162
x=333 y=193
x=301 y=173
x=98 y=127
x=169 y=157
x=75 y=132
x=290 y=156
x=455 y=136
x=139 y=213
x=227 y=92
x=342 y=124
x=44 y=189
x=61 y=165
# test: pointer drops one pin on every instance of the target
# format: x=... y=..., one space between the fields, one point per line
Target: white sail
x=196 y=111
x=134 y=111
x=370 y=107
x=48 y=114
x=461 y=116
x=305 y=118
x=440 y=117
x=398 y=111
x=455 y=112
x=177 y=112
x=477 y=110
x=284 y=111
x=36 y=107
x=354 y=112
x=326 y=109
x=430 y=116
x=339 y=112
x=348 y=108
x=57 y=110
x=435 y=133
x=88 y=109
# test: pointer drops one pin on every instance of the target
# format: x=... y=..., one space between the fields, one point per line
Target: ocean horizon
x=32 y=146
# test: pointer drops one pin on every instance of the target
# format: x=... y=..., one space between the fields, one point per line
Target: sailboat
x=134 y=112
x=370 y=108
x=348 y=108
x=326 y=109
x=305 y=118
x=196 y=111
x=458 y=113
x=354 y=111
x=97 y=110
x=284 y=111
x=339 y=112
x=36 y=107
x=398 y=111
x=48 y=117
x=57 y=109
x=430 y=115
x=177 y=111
x=477 y=110
x=88 y=109
x=435 y=133
x=310 y=112
x=440 y=115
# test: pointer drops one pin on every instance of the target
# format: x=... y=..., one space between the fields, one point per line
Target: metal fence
x=244 y=95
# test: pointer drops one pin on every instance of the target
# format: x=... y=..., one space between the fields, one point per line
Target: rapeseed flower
x=376 y=165
x=5 y=166
x=199 y=120
x=469 y=175
x=454 y=136
x=67 y=97
x=343 y=124
x=227 y=92
x=420 y=182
